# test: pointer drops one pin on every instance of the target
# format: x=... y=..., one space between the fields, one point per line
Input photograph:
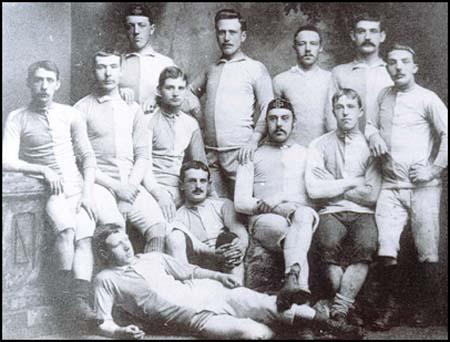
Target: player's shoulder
x=323 y=140
x=17 y=113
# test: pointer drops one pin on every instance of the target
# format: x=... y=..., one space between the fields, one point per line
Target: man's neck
x=146 y=47
x=233 y=56
x=307 y=68
x=169 y=109
x=406 y=87
x=36 y=104
x=107 y=92
x=368 y=59
x=350 y=131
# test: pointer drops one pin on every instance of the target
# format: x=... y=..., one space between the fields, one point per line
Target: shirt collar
x=41 y=110
x=355 y=132
x=196 y=205
x=105 y=98
x=358 y=64
x=170 y=115
x=147 y=51
x=239 y=57
x=287 y=144
x=297 y=69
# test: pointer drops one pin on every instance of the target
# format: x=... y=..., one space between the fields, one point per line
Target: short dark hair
x=105 y=53
x=346 y=92
x=101 y=235
x=280 y=102
x=367 y=16
x=398 y=46
x=171 y=72
x=230 y=14
x=194 y=164
x=141 y=10
x=46 y=64
x=308 y=28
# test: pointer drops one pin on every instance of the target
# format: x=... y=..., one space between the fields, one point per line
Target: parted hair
x=171 y=72
x=102 y=233
x=230 y=14
x=194 y=164
x=45 y=64
x=346 y=92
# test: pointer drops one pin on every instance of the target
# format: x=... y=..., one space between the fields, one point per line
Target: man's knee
x=304 y=216
x=67 y=235
x=176 y=240
x=84 y=244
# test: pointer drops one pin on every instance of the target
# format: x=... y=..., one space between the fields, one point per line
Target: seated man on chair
x=272 y=190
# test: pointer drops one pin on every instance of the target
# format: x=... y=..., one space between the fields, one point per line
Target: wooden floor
x=398 y=333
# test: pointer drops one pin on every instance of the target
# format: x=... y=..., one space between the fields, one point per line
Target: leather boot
x=291 y=292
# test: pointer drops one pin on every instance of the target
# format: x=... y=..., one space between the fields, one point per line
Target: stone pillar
x=27 y=245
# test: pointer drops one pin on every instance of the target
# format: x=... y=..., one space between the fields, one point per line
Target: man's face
x=139 y=31
x=347 y=112
x=43 y=85
x=195 y=185
x=401 y=67
x=280 y=122
x=120 y=249
x=230 y=36
x=307 y=46
x=173 y=92
x=107 y=71
x=367 y=36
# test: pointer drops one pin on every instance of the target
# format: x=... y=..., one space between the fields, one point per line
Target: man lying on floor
x=155 y=287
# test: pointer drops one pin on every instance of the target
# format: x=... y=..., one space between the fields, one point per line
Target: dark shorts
x=348 y=236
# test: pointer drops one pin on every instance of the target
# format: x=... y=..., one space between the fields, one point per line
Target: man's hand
x=87 y=203
x=166 y=204
x=127 y=192
x=246 y=153
x=421 y=174
x=263 y=208
x=149 y=105
x=230 y=254
x=127 y=94
x=228 y=280
x=130 y=331
x=55 y=181
x=377 y=145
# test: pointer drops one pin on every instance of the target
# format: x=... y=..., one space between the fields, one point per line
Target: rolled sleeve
x=81 y=143
x=11 y=138
x=140 y=136
x=243 y=195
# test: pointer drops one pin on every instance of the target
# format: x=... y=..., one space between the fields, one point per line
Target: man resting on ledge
x=157 y=288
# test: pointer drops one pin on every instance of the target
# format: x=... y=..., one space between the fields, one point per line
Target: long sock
x=155 y=244
x=341 y=304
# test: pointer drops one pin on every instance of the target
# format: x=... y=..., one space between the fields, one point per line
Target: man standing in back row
x=305 y=85
x=367 y=74
x=238 y=90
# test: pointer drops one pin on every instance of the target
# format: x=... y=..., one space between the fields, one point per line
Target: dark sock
x=155 y=244
x=81 y=287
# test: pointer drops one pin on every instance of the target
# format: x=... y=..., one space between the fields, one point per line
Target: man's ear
x=57 y=84
x=352 y=35
x=152 y=29
x=243 y=36
x=382 y=36
x=361 y=113
x=416 y=68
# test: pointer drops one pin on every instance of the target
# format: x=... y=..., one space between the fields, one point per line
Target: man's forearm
x=109 y=328
x=105 y=180
x=332 y=188
x=23 y=166
x=202 y=273
x=138 y=172
x=88 y=179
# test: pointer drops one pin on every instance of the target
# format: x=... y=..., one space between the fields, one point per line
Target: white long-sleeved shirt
x=414 y=125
